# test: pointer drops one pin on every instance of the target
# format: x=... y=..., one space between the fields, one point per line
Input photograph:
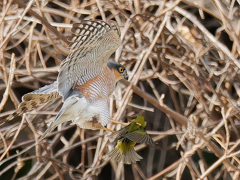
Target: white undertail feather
x=69 y=111
x=96 y=110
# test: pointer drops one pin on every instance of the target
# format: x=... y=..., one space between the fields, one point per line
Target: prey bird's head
x=119 y=70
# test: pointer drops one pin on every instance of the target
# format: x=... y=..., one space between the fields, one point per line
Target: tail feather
x=33 y=100
x=69 y=111
x=16 y=113
x=50 y=90
x=52 y=126
x=127 y=157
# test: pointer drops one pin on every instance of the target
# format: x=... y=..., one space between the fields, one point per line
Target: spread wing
x=92 y=43
x=120 y=133
x=140 y=136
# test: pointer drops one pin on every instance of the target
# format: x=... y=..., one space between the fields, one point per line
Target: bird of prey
x=86 y=78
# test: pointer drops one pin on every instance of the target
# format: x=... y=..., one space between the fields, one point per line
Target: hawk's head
x=119 y=70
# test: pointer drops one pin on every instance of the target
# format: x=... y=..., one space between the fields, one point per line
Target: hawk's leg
x=122 y=123
x=106 y=129
x=99 y=126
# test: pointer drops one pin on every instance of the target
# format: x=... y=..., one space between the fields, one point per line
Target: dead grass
x=182 y=58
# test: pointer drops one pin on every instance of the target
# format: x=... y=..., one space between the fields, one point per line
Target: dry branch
x=183 y=63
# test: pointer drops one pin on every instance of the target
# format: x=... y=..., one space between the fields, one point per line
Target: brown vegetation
x=182 y=58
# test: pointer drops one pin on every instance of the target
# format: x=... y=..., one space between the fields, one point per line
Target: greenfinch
x=127 y=138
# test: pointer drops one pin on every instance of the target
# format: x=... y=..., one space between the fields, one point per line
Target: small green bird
x=127 y=138
x=124 y=152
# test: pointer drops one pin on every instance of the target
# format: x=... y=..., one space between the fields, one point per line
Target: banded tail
x=33 y=100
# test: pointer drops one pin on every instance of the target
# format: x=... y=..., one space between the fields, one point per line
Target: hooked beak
x=125 y=75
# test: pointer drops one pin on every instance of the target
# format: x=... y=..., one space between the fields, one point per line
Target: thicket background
x=182 y=60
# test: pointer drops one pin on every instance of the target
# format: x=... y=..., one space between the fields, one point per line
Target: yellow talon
x=106 y=129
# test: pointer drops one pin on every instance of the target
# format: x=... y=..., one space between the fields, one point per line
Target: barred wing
x=92 y=43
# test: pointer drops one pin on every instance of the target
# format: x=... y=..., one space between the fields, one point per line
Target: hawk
x=86 y=78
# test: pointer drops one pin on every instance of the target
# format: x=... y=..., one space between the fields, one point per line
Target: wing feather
x=140 y=136
x=120 y=133
x=92 y=43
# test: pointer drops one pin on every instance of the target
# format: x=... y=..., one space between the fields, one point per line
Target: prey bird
x=127 y=138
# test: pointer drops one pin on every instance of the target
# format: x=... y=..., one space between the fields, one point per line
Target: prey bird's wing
x=120 y=133
x=139 y=136
x=92 y=43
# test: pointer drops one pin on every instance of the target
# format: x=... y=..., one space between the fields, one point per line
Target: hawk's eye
x=120 y=69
